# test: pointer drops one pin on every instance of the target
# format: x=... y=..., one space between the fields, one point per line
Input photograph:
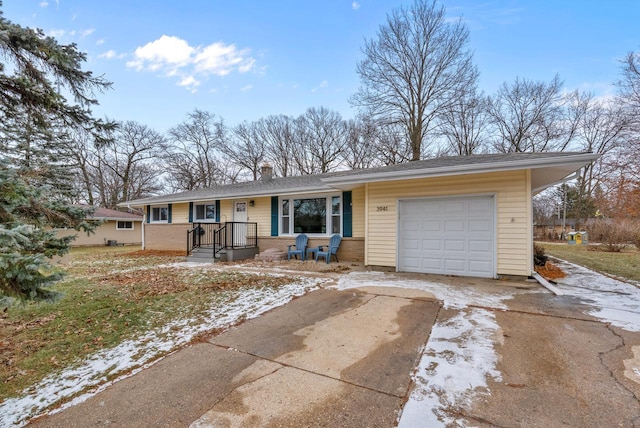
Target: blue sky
x=243 y=60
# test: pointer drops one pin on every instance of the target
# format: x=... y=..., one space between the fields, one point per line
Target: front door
x=240 y=223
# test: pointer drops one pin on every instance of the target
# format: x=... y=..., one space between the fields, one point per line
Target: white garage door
x=453 y=236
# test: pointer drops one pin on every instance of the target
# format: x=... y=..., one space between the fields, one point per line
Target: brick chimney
x=266 y=172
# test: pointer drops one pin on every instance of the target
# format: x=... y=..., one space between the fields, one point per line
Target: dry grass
x=625 y=264
x=108 y=297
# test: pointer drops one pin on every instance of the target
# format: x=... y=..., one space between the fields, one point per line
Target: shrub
x=539 y=258
x=613 y=234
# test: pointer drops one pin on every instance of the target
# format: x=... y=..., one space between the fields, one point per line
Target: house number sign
x=385 y=208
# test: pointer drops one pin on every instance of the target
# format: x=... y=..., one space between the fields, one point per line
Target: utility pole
x=564 y=209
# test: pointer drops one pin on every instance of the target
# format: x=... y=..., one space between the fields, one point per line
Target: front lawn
x=625 y=264
x=116 y=297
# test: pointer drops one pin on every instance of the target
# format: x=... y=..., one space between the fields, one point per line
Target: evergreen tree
x=36 y=76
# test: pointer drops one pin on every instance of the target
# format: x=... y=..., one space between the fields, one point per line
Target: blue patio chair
x=300 y=247
x=332 y=249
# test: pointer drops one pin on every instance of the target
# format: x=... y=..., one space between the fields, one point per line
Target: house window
x=312 y=215
x=335 y=214
x=124 y=225
x=285 y=217
x=159 y=214
x=206 y=212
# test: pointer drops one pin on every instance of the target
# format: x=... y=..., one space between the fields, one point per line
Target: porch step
x=205 y=255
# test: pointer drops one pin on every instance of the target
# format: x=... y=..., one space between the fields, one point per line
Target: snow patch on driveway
x=612 y=301
x=459 y=355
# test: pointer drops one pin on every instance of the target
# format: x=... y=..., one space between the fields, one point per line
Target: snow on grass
x=612 y=301
x=460 y=354
x=134 y=355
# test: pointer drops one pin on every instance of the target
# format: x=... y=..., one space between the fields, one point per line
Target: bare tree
x=128 y=168
x=464 y=124
x=359 y=149
x=320 y=137
x=629 y=84
x=392 y=145
x=413 y=69
x=529 y=116
x=604 y=128
x=277 y=133
x=247 y=149
x=194 y=161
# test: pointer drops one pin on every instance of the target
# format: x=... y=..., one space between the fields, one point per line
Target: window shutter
x=274 y=216
x=347 y=215
x=169 y=213
x=218 y=211
x=190 y=212
x=148 y=214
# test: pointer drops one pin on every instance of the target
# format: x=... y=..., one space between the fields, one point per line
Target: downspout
x=131 y=209
x=535 y=274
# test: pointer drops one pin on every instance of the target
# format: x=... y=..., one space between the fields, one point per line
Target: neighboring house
x=552 y=229
x=116 y=226
x=466 y=215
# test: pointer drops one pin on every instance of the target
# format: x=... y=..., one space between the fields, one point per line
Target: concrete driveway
x=377 y=350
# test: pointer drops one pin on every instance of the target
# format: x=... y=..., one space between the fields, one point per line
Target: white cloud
x=322 y=85
x=246 y=88
x=44 y=3
x=221 y=59
x=167 y=52
x=111 y=54
x=87 y=32
x=56 y=33
x=108 y=54
x=173 y=57
x=355 y=5
x=100 y=42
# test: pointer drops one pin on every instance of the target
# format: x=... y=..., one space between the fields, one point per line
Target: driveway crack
x=601 y=356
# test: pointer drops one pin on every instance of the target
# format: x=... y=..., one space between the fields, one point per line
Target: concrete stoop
x=205 y=255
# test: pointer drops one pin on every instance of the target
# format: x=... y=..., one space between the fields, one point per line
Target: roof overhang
x=235 y=195
x=544 y=171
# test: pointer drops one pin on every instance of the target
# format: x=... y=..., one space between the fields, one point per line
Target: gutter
x=461 y=169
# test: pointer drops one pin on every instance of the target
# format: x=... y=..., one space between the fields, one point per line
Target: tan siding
x=357 y=209
x=260 y=213
x=103 y=233
x=226 y=210
x=513 y=218
x=180 y=213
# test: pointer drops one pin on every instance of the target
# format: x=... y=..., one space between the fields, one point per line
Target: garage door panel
x=456 y=266
x=478 y=267
x=432 y=245
x=411 y=208
x=480 y=246
x=480 y=226
x=455 y=245
x=433 y=264
x=411 y=244
x=431 y=226
x=480 y=205
x=454 y=207
x=454 y=226
x=448 y=236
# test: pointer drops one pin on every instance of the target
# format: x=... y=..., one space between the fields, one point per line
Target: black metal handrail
x=201 y=235
x=220 y=236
